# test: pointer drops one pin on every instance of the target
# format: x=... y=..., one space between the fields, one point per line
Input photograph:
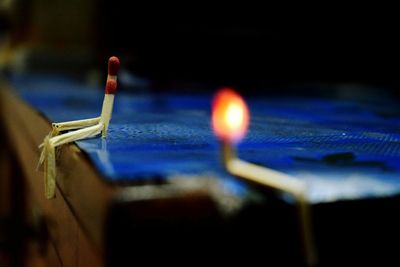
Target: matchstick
x=80 y=134
x=49 y=169
x=48 y=153
x=86 y=128
x=111 y=86
x=72 y=125
x=108 y=103
x=105 y=117
x=279 y=181
x=230 y=119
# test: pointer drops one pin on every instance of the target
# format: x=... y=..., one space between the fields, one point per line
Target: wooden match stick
x=86 y=128
x=111 y=86
x=49 y=169
x=279 y=181
x=230 y=119
x=108 y=103
x=72 y=125
x=105 y=117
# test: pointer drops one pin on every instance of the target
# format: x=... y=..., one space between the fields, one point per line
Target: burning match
x=86 y=128
x=230 y=121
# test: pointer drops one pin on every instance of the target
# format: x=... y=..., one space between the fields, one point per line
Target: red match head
x=113 y=66
x=230 y=116
x=111 y=86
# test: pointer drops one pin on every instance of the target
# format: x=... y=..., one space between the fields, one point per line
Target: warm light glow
x=230 y=115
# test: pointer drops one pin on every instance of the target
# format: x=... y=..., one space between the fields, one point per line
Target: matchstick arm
x=71 y=125
x=266 y=176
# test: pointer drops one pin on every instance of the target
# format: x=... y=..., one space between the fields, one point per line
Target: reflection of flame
x=230 y=115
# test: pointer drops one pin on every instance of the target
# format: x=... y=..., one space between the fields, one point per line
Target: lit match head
x=230 y=116
x=113 y=66
x=111 y=86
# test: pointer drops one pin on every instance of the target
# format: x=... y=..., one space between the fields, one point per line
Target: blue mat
x=341 y=149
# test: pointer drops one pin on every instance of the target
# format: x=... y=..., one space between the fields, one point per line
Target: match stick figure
x=82 y=129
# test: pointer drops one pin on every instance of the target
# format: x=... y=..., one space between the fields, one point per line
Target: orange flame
x=230 y=115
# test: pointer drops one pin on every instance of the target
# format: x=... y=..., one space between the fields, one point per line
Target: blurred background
x=267 y=50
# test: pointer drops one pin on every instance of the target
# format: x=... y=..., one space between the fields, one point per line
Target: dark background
x=315 y=51
x=302 y=50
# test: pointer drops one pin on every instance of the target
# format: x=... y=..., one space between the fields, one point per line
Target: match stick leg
x=83 y=133
x=43 y=151
x=72 y=125
x=70 y=137
x=306 y=226
x=48 y=155
x=49 y=169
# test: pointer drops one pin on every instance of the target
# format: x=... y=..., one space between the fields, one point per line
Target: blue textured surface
x=341 y=149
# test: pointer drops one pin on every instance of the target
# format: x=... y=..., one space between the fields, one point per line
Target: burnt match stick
x=230 y=120
x=86 y=128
